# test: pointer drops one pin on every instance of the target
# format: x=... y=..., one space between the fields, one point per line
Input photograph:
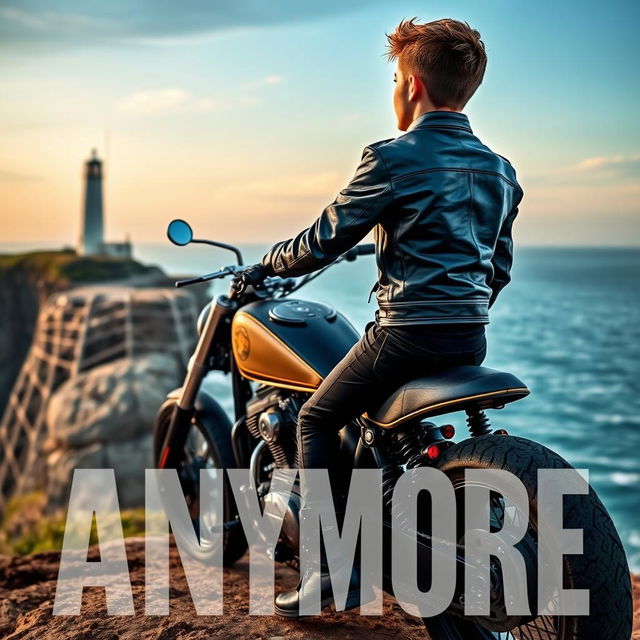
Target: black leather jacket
x=441 y=204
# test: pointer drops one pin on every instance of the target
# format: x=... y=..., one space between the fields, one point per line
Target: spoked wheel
x=602 y=568
x=541 y=627
x=207 y=446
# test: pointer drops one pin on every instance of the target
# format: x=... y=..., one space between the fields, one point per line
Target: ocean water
x=568 y=325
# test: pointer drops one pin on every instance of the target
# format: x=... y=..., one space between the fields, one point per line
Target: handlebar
x=287 y=285
x=222 y=273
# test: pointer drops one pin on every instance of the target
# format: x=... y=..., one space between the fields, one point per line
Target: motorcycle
x=276 y=349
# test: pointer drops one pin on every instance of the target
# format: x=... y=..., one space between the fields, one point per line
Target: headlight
x=202 y=318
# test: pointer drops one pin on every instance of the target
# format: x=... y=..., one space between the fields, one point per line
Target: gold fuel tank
x=292 y=344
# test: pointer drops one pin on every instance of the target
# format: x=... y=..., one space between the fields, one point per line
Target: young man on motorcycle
x=441 y=205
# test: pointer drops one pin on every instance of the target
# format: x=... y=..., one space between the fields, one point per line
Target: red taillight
x=448 y=431
x=432 y=451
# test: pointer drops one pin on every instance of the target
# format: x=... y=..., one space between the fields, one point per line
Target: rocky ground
x=27 y=587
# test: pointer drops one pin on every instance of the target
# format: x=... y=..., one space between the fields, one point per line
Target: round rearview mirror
x=179 y=232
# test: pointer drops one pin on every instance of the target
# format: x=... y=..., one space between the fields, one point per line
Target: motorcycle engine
x=272 y=415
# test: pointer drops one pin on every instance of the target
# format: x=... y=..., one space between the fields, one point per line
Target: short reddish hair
x=447 y=55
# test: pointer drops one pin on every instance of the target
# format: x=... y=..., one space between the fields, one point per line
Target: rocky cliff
x=26 y=282
x=100 y=364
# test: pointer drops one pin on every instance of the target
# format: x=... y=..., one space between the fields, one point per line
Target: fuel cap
x=300 y=312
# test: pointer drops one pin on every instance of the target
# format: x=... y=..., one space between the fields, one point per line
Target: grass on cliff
x=26 y=530
x=67 y=265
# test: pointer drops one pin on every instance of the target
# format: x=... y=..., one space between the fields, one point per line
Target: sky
x=246 y=117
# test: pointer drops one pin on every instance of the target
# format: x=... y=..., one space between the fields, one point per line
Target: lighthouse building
x=92 y=242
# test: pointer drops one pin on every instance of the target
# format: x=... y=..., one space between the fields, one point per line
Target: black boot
x=287 y=602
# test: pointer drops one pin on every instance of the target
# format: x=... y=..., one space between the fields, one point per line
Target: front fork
x=198 y=367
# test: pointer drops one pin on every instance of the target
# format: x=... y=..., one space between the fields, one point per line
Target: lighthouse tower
x=92 y=236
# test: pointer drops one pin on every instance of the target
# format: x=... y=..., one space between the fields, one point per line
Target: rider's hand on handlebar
x=254 y=275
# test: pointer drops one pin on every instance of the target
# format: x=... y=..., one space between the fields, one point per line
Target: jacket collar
x=441 y=118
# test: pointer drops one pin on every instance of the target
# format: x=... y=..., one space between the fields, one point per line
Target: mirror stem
x=222 y=245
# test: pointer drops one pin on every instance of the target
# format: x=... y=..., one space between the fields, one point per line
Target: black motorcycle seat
x=452 y=389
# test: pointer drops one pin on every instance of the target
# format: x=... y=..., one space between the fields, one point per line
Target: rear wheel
x=207 y=446
x=602 y=568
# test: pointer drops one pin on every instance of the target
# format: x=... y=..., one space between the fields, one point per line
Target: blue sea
x=568 y=325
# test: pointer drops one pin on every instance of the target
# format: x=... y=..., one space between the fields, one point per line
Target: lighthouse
x=92 y=237
x=92 y=242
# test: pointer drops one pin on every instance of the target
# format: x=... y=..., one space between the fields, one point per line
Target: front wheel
x=602 y=568
x=207 y=446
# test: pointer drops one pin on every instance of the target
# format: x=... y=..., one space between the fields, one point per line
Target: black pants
x=380 y=362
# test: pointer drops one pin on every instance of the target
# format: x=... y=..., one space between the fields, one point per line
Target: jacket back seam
x=470 y=211
x=461 y=170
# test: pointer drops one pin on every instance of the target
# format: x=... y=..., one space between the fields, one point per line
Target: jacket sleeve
x=503 y=253
x=340 y=226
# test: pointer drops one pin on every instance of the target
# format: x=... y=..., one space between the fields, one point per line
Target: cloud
x=618 y=164
x=142 y=103
x=33 y=23
x=594 y=171
x=44 y=20
x=145 y=102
